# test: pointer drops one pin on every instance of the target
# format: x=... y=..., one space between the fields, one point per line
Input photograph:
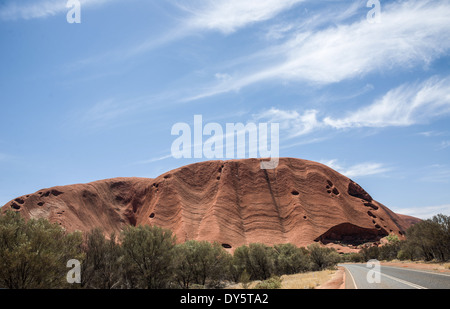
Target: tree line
x=428 y=240
x=34 y=254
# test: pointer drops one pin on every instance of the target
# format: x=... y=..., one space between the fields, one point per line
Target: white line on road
x=353 y=279
x=416 y=286
x=404 y=282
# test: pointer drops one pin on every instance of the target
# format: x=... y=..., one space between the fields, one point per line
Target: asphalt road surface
x=360 y=276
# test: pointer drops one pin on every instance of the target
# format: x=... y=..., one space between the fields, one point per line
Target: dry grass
x=445 y=267
x=310 y=280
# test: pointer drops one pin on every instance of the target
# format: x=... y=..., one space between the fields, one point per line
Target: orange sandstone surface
x=231 y=202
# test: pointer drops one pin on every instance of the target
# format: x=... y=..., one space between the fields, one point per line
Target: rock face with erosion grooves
x=232 y=202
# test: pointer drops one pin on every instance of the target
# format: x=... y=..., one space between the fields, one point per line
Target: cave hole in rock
x=152 y=215
x=335 y=191
x=226 y=246
x=295 y=192
x=19 y=200
x=350 y=234
x=15 y=206
x=374 y=207
x=56 y=192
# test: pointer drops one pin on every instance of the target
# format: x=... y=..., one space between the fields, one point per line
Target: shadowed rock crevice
x=350 y=234
x=355 y=190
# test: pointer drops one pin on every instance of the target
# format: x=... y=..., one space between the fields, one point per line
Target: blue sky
x=95 y=100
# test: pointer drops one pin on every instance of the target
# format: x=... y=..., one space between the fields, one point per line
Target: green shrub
x=34 y=253
x=290 y=259
x=201 y=263
x=103 y=265
x=322 y=258
x=271 y=283
x=257 y=259
x=430 y=239
x=148 y=252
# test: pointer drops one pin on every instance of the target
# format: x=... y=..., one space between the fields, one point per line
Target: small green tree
x=430 y=238
x=34 y=253
x=148 y=251
x=370 y=253
x=245 y=279
x=322 y=257
x=202 y=263
x=271 y=283
x=257 y=259
x=102 y=267
x=290 y=259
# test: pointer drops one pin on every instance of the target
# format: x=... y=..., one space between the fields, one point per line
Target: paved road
x=387 y=277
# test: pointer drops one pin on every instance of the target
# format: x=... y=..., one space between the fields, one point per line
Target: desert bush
x=354 y=257
x=271 y=283
x=202 y=263
x=148 y=254
x=257 y=259
x=370 y=253
x=290 y=259
x=430 y=239
x=103 y=264
x=34 y=253
x=321 y=257
x=244 y=279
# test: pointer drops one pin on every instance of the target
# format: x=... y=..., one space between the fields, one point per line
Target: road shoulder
x=337 y=281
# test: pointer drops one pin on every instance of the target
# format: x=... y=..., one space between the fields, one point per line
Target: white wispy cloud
x=432 y=133
x=357 y=170
x=105 y=112
x=406 y=105
x=153 y=160
x=291 y=121
x=26 y=9
x=444 y=145
x=411 y=33
x=228 y=16
x=426 y=212
x=437 y=173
